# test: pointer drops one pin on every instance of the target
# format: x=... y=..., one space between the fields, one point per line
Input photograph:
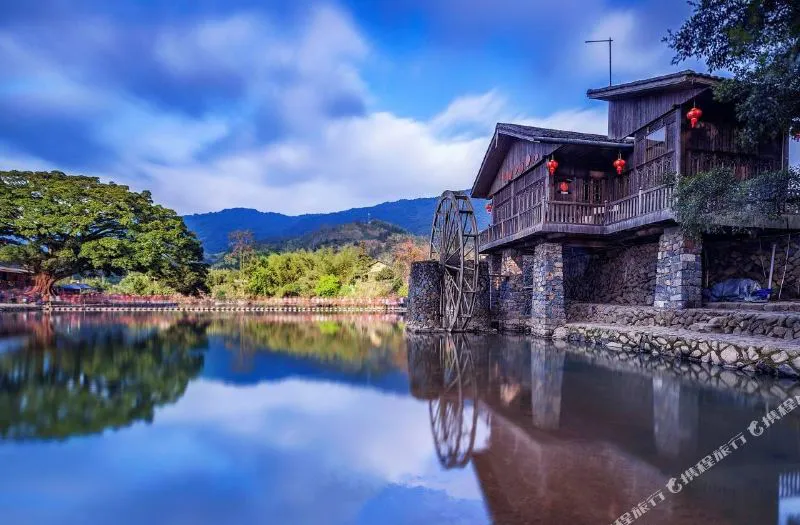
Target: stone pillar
x=481 y=312
x=679 y=271
x=547 y=375
x=511 y=298
x=547 y=307
x=424 y=297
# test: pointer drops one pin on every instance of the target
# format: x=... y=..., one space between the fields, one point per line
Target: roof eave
x=646 y=85
x=581 y=142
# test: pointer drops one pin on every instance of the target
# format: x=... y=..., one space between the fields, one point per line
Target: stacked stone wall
x=748 y=354
x=424 y=297
x=778 y=325
x=750 y=259
x=616 y=275
x=511 y=292
x=481 y=312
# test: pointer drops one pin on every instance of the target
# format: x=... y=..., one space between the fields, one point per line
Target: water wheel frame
x=454 y=414
x=454 y=244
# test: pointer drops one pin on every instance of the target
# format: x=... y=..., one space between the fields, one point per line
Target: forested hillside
x=412 y=215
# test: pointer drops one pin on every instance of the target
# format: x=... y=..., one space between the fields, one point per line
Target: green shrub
x=140 y=284
x=328 y=286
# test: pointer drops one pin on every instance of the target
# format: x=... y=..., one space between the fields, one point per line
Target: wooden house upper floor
x=587 y=191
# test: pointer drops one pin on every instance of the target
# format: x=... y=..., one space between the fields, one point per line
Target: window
x=655 y=144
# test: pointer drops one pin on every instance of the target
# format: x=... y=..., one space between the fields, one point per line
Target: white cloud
x=293 y=78
x=394 y=438
x=633 y=53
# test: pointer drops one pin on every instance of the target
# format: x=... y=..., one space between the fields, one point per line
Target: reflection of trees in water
x=351 y=342
x=443 y=371
x=82 y=386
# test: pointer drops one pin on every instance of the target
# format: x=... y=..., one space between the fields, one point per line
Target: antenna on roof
x=609 y=40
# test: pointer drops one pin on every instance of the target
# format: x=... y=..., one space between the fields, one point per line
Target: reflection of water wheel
x=454 y=243
x=454 y=416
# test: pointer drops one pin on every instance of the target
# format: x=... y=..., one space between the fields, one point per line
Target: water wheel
x=454 y=243
x=454 y=415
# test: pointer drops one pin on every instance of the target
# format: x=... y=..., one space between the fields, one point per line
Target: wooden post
x=546 y=199
x=639 y=204
x=771 y=265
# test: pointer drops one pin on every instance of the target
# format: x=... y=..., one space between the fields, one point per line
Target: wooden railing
x=575 y=213
x=580 y=213
x=642 y=203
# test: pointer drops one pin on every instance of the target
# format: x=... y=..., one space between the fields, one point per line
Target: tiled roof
x=681 y=79
x=534 y=133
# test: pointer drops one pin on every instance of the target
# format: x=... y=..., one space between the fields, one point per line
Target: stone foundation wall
x=619 y=275
x=778 y=325
x=749 y=355
x=511 y=293
x=635 y=316
x=750 y=258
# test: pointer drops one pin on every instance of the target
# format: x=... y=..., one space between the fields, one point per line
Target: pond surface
x=178 y=419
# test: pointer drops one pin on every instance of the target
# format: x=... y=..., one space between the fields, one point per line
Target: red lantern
x=563 y=187
x=552 y=165
x=694 y=115
x=489 y=208
x=619 y=164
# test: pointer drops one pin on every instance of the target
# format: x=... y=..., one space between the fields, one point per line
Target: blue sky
x=301 y=107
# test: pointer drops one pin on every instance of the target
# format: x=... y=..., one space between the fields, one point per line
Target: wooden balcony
x=543 y=216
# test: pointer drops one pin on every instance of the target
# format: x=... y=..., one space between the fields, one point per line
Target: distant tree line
x=60 y=227
x=327 y=272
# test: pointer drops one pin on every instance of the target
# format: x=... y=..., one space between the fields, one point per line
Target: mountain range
x=412 y=215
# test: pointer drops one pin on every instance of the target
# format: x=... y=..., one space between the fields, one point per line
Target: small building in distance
x=12 y=277
x=582 y=217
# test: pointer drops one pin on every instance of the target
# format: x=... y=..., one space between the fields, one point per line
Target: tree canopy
x=57 y=225
x=715 y=201
x=758 y=41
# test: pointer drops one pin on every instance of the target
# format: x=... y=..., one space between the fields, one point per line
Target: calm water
x=169 y=419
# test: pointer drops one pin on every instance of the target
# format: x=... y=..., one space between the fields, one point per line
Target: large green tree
x=57 y=225
x=758 y=41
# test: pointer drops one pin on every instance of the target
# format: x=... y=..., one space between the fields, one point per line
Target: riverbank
x=750 y=338
x=318 y=306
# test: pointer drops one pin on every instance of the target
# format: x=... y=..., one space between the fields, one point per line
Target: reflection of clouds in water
x=296 y=451
x=377 y=434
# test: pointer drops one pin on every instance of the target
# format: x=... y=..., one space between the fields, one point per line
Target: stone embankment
x=751 y=340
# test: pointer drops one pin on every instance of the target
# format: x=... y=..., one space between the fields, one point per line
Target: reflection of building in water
x=674 y=416
x=571 y=442
x=547 y=373
x=789 y=502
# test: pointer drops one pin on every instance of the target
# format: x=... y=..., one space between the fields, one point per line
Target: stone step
x=750 y=353
x=773 y=306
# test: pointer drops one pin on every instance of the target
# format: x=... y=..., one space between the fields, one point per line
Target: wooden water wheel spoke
x=454 y=236
x=454 y=416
